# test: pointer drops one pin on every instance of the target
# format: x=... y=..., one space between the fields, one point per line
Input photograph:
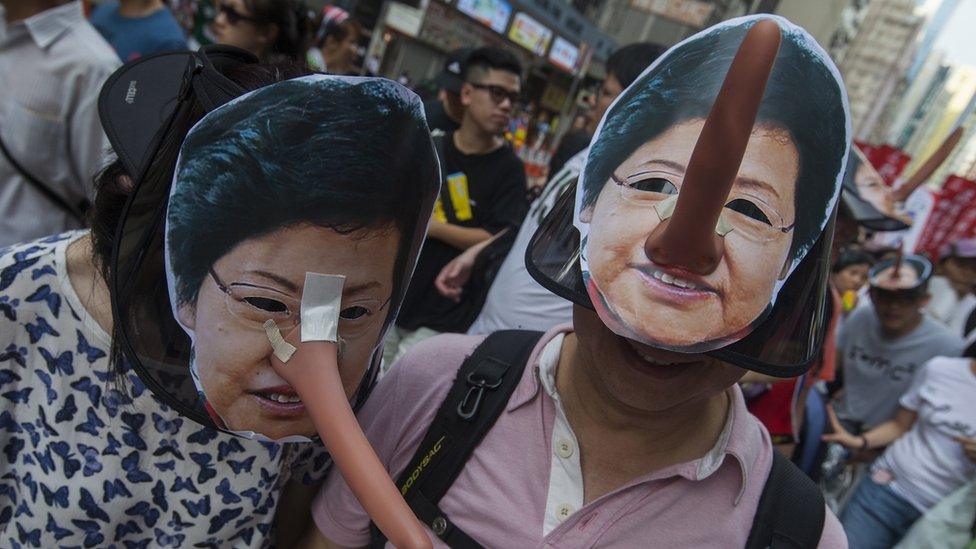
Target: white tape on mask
x=282 y=349
x=321 y=302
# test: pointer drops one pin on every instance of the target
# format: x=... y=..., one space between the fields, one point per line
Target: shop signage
x=694 y=13
x=564 y=54
x=530 y=34
x=492 y=13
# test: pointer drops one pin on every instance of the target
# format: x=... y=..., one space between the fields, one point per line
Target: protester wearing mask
x=93 y=457
x=605 y=438
x=515 y=300
x=953 y=301
x=931 y=451
x=266 y=28
x=136 y=28
x=336 y=43
x=117 y=424
x=881 y=346
x=52 y=64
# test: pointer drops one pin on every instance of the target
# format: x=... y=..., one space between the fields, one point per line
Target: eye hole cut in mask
x=702 y=194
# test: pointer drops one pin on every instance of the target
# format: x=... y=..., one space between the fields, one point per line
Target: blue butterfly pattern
x=92 y=458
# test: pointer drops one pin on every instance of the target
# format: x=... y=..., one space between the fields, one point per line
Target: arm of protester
x=459 y=237
x=394 y=419
x=880 y=436
x=968 y=447
x=454 y=276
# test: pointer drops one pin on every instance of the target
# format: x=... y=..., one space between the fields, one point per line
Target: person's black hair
x=803 y=97
x=489 y=57
x=291 y=19
x=345 y=156
x=626 y=63
x=113 y=185
x=851 y=257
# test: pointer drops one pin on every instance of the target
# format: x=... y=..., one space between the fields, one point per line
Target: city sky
x=958 y=39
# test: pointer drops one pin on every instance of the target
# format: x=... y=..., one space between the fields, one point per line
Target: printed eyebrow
x=743 y=181
x=357 y=288
x=284 y=282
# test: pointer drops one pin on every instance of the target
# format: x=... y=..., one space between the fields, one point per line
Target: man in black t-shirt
x=445 y=111
x=483 y=192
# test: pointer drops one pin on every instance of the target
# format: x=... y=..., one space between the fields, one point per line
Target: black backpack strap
x=77 y=212
x=791 y=510
x=480 y=393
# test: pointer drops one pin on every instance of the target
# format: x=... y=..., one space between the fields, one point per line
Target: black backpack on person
x=791 y=510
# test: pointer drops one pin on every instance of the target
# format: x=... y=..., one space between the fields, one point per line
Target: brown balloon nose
x=931 y=164
x=687 y=239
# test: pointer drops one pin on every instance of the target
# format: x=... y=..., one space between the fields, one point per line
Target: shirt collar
x=741 y=437
x=47 y=26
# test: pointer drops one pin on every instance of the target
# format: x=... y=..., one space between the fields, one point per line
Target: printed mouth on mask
x=674 y=283
x=279 y=400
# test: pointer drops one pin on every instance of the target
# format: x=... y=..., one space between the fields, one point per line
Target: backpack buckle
x=477 y=384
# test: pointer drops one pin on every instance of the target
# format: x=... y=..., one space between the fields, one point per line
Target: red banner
x=953 y=216
x=888 y=160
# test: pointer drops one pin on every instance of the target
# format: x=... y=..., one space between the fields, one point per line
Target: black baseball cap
x=451 y=78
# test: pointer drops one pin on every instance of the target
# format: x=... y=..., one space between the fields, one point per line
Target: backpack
x=791 y=510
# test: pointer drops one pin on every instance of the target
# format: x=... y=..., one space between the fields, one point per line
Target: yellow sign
x=457 y=186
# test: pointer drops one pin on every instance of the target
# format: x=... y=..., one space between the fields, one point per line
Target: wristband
x=864 y=442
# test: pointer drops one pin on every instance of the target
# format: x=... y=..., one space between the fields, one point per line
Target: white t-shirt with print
x=927 y=463
x=81 y=466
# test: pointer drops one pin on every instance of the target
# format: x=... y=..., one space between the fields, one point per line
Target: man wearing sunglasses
x=483 y=193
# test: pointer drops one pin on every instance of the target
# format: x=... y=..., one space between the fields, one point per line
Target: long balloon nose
x=687 y=239
x=931 y=164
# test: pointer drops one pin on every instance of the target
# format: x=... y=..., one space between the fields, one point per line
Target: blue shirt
x=135 y=37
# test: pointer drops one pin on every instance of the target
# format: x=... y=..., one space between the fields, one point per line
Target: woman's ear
x=187 y=316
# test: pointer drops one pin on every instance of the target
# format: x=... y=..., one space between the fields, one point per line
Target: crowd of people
x=672 y=357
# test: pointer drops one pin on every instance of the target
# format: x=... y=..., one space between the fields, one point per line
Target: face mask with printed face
x=322 y=176
x=701 y=222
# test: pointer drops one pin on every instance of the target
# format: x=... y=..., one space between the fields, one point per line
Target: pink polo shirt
x=508 y=488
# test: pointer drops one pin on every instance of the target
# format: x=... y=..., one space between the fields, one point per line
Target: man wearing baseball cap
x=445 y=112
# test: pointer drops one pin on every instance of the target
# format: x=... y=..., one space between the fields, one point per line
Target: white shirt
x=926 y=463
x=52 y=67
x=515 y=300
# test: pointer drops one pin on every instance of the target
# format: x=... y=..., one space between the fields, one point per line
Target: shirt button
x=564 y=511
x=564 y=448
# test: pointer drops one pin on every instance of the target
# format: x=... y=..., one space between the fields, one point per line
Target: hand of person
x=840 y=435
x=452 y=278
x=968 y=446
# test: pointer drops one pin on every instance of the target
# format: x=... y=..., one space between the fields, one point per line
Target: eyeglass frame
x=514 y=98
x=782 y=229
x=226 y=289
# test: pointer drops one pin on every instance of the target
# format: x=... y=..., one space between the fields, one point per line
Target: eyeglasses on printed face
x=233 y=16
x=750 y=216
x=498 y=94
x=257 y=304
